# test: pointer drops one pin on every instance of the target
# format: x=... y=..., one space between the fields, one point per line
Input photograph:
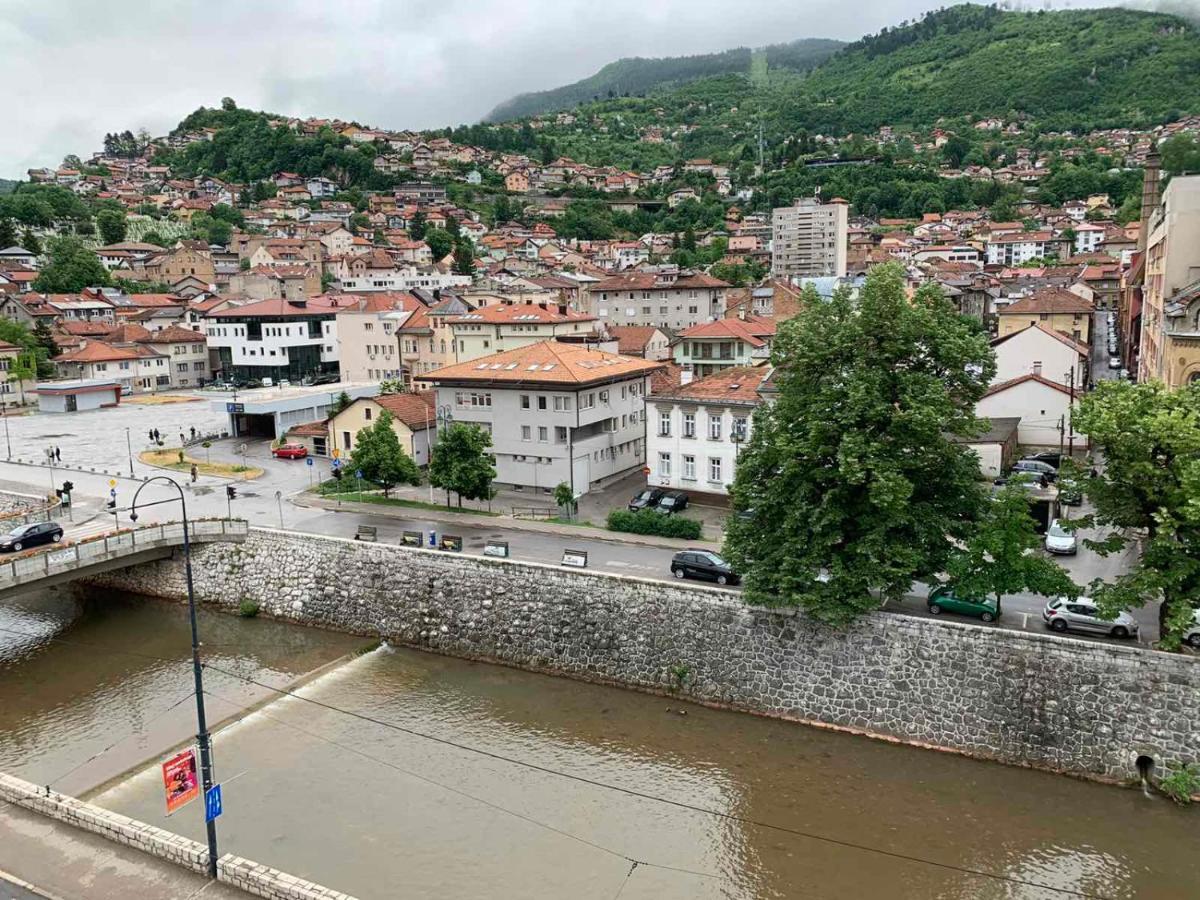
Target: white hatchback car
x=1192 y=635
x=1059 y=541
x=1064 y=614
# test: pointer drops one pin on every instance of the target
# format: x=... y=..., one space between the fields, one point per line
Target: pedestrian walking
x=57 y=454
x=193 y=432
x=155 y=433
x=150 y=435
x=182 y=440
x=194 y=473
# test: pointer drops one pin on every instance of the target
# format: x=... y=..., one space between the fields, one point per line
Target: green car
x=943 y=599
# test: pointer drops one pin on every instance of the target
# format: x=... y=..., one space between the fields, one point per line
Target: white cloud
x=75 y=69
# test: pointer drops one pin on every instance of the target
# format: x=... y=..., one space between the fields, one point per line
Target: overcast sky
x=75 y=69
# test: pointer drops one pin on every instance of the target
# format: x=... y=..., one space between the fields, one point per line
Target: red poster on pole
x=179 y=779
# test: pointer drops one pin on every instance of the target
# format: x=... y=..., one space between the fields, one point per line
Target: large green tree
x=851 y=478
x=416 y=226
x=1147 y=490
x=8 y=233
x=440 y=243
x=461 y=463
x=464 y=258
x=71 y=268
x=1000 y=556
x=111 y=224
x=379 y=456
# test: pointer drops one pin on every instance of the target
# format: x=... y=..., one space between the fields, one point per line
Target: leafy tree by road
x=8 y=233
x=461 y=463
x=72 y=267
x=416 y=226
x=1001 y=555
x=381 y=459
x=1149 y=490
x=852 y=479
x=464 y=258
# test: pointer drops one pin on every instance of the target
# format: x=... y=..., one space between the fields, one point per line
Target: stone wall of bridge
x=1081 y=707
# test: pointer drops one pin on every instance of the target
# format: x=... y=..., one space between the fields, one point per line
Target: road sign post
x=212 y=803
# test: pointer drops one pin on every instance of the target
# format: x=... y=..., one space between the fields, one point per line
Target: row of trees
x=858 y=482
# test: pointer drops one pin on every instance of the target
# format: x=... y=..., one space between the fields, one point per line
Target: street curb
x=508 y=522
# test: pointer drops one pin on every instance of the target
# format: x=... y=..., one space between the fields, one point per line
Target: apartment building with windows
x=674 y=300
x=809 y=239
x=278 y=339
x=493 y=329
x=1170 y=339
x=724 y=344
x=557 y=412
x=696 y=431
x=1054 y=308
x=368 y=335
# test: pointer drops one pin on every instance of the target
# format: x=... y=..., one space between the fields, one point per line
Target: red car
x=290 y=451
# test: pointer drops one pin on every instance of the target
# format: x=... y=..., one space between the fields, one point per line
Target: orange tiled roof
x=546 y=362
x=734 y=385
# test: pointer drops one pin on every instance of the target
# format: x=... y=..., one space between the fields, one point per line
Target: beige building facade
x=1170 y=339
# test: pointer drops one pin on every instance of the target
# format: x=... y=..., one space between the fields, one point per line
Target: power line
x=679 y=804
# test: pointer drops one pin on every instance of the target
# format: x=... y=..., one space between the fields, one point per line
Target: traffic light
x=112 y=503
x=230 y=492
x=337 y=474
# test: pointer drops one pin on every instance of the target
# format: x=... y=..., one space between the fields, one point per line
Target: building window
x=541 y=402
x=526 y=433
x=604 y=396
x=543 y=434
x=560 y=434
x=587 y=401
x=475 y=399
x=367 y=413
x=689 y=425
x=664 y=424
x=689 y=468
x=740 y=424
x=714 y=428
x=714 y=469
x=524 y=401
x=345 y=440
x=562 y=404
x=664 y=465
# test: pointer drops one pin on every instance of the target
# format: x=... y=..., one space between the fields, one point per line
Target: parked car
x=1081 y=614
x=1060 y=541
x=1050 y=457
x=1037 y=467
x=702 y=564
x=1069 y=492
x=672 y=502
x=1114 y=362
x=30 y=534
x=944 y=599
x=327 y=378
x=647 y=499
x=1192 y=635
x=290 y=451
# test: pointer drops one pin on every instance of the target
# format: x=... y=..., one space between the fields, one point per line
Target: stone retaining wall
x=1081 y=707
x=251 y=877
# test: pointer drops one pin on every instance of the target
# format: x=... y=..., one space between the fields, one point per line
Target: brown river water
x=370 y=804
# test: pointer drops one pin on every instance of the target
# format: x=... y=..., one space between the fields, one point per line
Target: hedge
x=647 y=521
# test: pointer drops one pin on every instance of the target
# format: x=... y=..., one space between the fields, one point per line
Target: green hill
x=638 y=76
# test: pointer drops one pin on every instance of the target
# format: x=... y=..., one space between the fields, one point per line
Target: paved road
x=1100 y=354
x=10 y=890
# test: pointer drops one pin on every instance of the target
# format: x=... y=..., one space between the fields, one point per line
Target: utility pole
x=7 y=439
x=1061 y=434
x=1071 y=416
x=129 y=450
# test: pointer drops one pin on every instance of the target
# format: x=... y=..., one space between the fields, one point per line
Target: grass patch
x=169 y=459
x=355 y=497
x=559 y=520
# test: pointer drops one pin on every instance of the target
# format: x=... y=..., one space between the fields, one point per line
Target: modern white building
x=278 y=339
x=557 y=412
x=675 y=300
x=1042 y=405
x=696 y=431
x=1015 y=249
x=809 y=238
x=1038 y=350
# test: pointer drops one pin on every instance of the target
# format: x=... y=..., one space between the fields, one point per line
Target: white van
x=267 y=382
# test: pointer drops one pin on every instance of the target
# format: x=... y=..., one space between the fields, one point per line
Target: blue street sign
x=113 y=492
x=337 y=463
x=308 y=460
x=212 y=803
x=358 y=473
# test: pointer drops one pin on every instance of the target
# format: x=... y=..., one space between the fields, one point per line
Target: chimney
x=1151 y=194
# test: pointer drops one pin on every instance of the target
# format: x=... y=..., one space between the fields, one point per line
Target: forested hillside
x=638 y=75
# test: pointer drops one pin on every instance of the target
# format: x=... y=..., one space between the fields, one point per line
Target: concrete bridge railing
x=58 y=564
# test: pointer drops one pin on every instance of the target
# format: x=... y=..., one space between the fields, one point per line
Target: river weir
x=401 y=773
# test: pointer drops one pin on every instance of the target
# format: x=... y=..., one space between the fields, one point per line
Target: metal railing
x=535 y=512
x=112 y=546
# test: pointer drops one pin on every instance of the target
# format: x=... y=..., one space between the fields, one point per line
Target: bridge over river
x=57 y=564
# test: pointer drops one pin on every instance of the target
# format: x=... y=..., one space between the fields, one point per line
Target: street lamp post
x=202 y=736
x=7 y=439
x=129 y=450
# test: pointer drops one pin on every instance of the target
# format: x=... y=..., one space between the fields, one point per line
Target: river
x=349 y=788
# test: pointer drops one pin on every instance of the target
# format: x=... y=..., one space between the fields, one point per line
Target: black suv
x=672 y=502
x=702 y=564
x=647 y=499
x=30 y=535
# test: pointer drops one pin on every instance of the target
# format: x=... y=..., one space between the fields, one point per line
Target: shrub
x=1182 y=783
x=248 y=609
x=647 y=521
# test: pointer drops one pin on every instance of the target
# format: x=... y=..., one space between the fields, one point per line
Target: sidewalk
x=64 y=863
x=500 y=522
